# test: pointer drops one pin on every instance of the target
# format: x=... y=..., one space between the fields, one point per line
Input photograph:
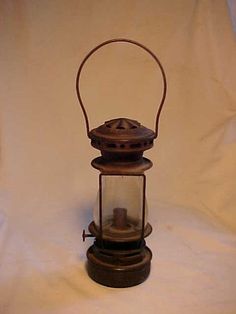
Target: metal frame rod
x=129 y=41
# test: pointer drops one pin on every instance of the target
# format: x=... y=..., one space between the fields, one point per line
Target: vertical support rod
x=100 y=206
x=143 y=207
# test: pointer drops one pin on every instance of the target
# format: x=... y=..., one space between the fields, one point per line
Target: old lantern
x=119 y=256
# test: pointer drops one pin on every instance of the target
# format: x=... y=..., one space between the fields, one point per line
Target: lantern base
x=116 y=272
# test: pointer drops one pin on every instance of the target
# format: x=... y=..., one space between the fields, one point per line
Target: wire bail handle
x=118 y=40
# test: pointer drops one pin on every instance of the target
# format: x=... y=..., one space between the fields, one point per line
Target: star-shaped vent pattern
x=122 y=124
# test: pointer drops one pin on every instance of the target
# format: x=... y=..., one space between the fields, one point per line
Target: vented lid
x=122 y=135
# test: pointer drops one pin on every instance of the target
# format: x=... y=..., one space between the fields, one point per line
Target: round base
x=117 y=275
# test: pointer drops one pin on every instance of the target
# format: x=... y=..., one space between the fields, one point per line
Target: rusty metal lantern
x=119 y=256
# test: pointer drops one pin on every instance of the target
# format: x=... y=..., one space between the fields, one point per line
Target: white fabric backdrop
x=48 y=187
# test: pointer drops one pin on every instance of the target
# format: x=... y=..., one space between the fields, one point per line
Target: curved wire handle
x=130 y=42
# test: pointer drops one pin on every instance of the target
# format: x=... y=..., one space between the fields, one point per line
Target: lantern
x=119 y=256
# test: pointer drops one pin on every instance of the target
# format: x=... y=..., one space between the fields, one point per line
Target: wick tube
x=120 y=218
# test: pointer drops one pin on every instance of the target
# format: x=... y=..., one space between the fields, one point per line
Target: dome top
x=122 y=136
x=122 y=124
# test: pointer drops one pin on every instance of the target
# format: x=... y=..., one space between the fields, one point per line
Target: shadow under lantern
x=119 y=256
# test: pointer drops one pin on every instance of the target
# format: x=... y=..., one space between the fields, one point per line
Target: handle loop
x=130 y=42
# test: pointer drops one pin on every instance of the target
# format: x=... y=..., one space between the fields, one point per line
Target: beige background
x=48 y=186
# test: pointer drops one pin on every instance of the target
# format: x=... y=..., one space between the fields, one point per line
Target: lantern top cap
x=122 y=135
